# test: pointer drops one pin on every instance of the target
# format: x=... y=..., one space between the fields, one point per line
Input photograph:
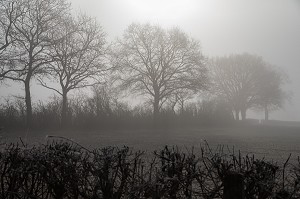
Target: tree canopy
x=246 y=81
x=77 y=57
x=159 y=62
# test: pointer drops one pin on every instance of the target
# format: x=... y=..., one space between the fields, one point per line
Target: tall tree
x=78 y=58
x=235 y=78
x=270 y=94
x=158 y=62
x=37 y=19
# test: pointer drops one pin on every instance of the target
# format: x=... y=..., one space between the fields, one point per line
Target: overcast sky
x=269 y=28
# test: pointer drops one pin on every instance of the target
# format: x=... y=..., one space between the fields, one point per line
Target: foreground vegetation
x=68 y=170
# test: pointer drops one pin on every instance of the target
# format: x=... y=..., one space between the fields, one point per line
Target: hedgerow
x=65 y=169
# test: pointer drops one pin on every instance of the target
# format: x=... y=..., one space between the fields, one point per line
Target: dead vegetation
x=64 y=169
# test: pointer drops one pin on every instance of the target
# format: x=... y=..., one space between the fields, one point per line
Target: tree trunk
x=182 y=107
x=155 y=109
x=28 y=103
x=173 y=108
x=266 y=113
x=243 y=113
x=64 y=109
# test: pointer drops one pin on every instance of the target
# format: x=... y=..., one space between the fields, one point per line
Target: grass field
x=272 y=142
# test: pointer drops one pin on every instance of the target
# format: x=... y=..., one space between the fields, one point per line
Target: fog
x=269 y=28
x=150 y=99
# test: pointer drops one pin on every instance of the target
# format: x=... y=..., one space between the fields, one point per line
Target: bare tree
x=236 y=79
x=102 y=101
x=179 y=98
x=270 y=94
x=8 y=16
x=30 y=32
x=78 y=58
x=158 y=62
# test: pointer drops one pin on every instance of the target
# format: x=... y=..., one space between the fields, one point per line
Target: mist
x=269 y=29
x=149 y=98
x=266 y=28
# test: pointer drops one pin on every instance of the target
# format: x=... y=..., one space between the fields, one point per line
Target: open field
x=272 y=142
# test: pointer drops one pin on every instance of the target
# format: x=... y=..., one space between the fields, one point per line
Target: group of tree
x=246 y=81
x=42 y=40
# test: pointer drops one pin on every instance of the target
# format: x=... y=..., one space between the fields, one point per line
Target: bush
x=68 y=170
x=102 y=111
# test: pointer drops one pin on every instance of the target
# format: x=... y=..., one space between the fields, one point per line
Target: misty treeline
x=101 y=110
x=44 y=41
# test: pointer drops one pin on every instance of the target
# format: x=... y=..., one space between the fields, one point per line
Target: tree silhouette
x=271 y=95
x=77 y=58
x=157 y=62
x=8 y=53
x=7 y=18
x=236 y=79
x=30 y=32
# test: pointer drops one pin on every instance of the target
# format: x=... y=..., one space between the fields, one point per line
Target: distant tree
x=101 y=101
x=179 y=98
x=172 y=103
x=30 y=32
x=183 y=97
x=270 y=94
x=77 y=58
x=158 y=62
x=236 y=78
